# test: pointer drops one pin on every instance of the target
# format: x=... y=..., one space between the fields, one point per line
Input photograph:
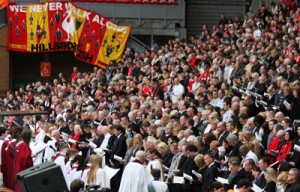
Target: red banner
x=158 y=2
x=45 y=69
x=58 y=26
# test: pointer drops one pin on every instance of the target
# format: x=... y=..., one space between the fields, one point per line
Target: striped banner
x=58 y=26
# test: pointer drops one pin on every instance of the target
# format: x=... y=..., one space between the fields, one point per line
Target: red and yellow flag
x=61 y=26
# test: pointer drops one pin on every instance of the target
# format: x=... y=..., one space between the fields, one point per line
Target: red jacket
x=273 y=146
x=284 y=150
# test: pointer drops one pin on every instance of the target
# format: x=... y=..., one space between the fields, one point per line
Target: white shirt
x=227 y=115
x=178 y=90
x=217 y=102
x=160 y=186
x=227 y=72
x=257 y=33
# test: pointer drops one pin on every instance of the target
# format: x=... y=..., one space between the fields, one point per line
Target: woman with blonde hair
x=128 y=154
x=137 y=143
x=282 y=181
x=271 y=179
x=199 y=162
x=96 y=175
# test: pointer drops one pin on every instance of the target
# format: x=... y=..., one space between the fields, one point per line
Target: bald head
x=279 y=116
x=141 y=156
x=235 y=106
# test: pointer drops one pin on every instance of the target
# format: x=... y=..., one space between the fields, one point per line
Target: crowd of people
x=219 y=111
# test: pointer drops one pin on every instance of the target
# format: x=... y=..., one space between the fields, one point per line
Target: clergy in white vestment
x=50 y=151
x=154 y=163
x=156 y=185
x=135 y=177
x=60 y=157
x=95 y=175
x=77 y=169
x=40 y=136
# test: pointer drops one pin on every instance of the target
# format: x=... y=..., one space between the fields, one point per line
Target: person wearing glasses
x=293 y=179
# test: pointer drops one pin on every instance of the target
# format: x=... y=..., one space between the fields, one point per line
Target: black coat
x=223 y=137
x=270 y=187
x=235 y=150
x=98 y=141
x=295 y=187
x=83 y=138
x=295 y=105
x=167 y=158
x=261 y=181
x=65 y=129
x=209 y=177
x=242 y=174
x=119 y=149
x=188 y=167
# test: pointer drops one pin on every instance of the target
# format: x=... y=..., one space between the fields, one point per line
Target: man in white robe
x=135 y=177
x=154 y=163
x=156 y=185
x=50 y=151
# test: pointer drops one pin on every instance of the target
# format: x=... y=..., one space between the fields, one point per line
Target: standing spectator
x=210 y=174
x=119 y=149
x=286 y=147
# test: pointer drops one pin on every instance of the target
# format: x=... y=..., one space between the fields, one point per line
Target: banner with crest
x=151 y=2
x=61 y=26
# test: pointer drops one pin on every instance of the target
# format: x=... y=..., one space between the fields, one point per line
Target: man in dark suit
x=189 y=164
x=92 y=89
x=235 y=167
x=235 y=143
x=263 y=164
x=82 y=144
x=119 y=149
x=99 y=138
x=63 y=128
x=293 y=179
x=211 y=172
x=222 y=133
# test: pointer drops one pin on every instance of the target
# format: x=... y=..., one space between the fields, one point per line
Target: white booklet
x=221 y=149
x=222 y=180
x=256 y=188
x=38 y=147
x=197 y=174
x=178 y=180
x=71 y=141
x=286 y=104
x=188 y=177
x=297 y=148
x=92 y=144
x=118 y=158
x=65 y=136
